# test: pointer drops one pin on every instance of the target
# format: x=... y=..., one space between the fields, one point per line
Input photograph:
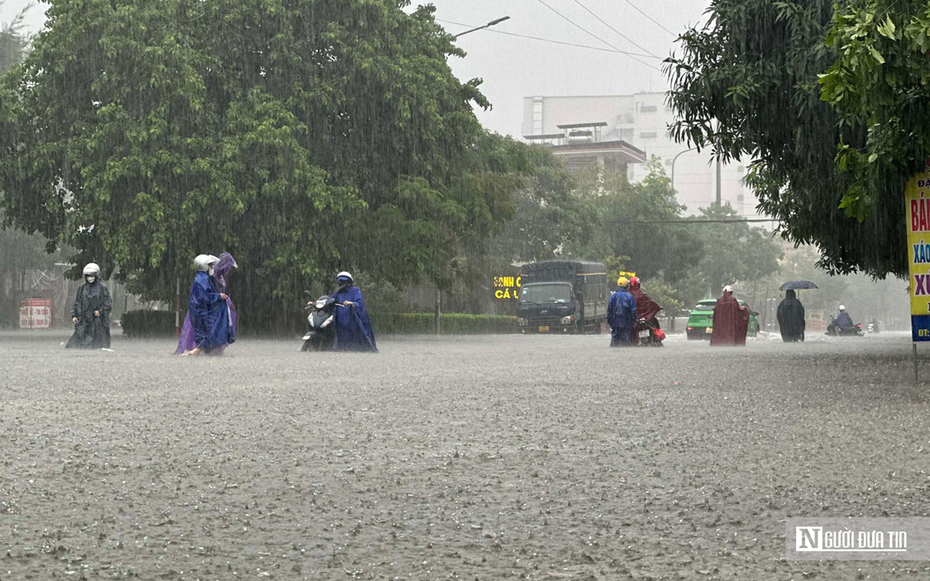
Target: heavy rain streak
x=549 y=289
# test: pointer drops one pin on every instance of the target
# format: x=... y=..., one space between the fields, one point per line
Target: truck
x=563 y=296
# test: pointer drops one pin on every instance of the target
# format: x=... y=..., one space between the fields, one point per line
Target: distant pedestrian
x=91 y=313
x=621 y=314
x=791 y=318
x=731 y=321
x=353 y=327
x=225 y=265
x=208 y=309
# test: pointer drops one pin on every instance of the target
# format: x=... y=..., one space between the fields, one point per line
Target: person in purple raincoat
x=210 y=323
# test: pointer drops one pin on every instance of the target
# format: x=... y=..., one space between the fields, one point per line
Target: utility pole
x=719 y=197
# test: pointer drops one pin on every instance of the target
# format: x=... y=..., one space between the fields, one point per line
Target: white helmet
x=203 y=261
x=345 y=274
x=91 y=269
x=728 y=289
x=842 y=308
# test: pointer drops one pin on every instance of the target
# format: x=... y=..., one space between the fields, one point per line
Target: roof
x=590 y=124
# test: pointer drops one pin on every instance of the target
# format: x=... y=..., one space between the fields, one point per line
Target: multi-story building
x=630 y=129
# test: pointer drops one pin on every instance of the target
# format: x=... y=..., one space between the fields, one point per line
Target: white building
x=638 y=124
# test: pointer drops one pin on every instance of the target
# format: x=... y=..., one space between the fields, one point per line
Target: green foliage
x=880 y=80
x=747 y=85
x=452 y=324
x=548 y=215
x=661 y=292
x=734 y=251
x=146 y=324
x=628 y=225
x=305 y=138
x=13 y=41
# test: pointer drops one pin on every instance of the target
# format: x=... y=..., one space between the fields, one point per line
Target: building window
x=648 y=108
x=740 y=197
x=648 y=134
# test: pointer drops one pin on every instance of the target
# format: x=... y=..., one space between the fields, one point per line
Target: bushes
x=137 y=324
x=452 y=324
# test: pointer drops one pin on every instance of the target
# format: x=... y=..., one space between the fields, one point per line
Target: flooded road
x=462 y=458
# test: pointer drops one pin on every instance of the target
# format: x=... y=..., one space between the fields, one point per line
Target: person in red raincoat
x=731 y=321
x=646 y=308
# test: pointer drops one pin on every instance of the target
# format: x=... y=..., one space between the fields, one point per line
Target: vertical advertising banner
x=917 y=213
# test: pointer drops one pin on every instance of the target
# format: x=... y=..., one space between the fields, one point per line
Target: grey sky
x=513 y=68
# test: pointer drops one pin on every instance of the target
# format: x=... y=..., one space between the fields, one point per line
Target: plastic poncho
x=353 y=327
x=844 y=321
x=91 y=332
x=731 y=322
x=791 y=318
x=621 y=316
x=209 y=315
x=188 y=341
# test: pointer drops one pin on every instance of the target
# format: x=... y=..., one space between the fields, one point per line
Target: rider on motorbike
x=844 y=321
x=646 y=308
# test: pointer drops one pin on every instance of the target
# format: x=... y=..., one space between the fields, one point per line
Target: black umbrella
x=798 y=285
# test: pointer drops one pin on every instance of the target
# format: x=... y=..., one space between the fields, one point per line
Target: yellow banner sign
x=917 y=195
x=507 y=287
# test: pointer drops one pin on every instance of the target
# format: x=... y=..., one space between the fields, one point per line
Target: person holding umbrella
x=791 y=316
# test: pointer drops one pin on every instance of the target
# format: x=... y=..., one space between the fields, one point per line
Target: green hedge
x=137 y=324
x=452 y=324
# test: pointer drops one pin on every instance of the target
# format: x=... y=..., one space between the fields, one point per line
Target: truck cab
x=562 y=296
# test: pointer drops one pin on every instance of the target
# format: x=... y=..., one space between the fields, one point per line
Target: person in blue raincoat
x=208 y=310
x=621 y=314
x=353 y=327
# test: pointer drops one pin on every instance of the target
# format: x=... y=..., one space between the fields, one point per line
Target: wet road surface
x=462 y=458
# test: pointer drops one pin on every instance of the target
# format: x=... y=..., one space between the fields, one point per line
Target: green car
x=702 y=317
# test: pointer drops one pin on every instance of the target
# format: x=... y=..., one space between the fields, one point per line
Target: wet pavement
x=506 y=457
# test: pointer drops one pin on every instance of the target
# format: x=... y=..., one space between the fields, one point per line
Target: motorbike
x=649 y=334
x=321 y=335
x=873 y=328
x=834 y=330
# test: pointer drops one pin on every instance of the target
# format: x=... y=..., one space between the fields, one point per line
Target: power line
x=588 y=46
x=650 y=18
x=602 y=21
x=586 y=31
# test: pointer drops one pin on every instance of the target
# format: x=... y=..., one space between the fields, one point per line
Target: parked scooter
x=834 y=330
x=321 y=335
x=649 y=334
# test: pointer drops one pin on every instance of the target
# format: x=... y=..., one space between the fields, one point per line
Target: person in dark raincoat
x=731 y=321
x=91 y=313
x=791 y=318
x=621 y=314
x=224 y=266
x=208 y=309
x=353 y=327
x=844 y=321
x=646 y=308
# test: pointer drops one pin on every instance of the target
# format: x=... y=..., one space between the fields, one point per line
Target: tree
x=733 y=251
x=880 y=80
x=304 y=137
x=13 y=41
x=634 y=224
x=548 y=216
x=747 y=85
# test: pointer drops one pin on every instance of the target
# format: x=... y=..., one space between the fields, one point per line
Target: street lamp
x=488 y=25
x=674 y=159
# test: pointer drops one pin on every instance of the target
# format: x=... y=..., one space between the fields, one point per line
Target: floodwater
x=483 y=458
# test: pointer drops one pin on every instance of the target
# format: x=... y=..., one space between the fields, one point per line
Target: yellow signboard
x=917 y=195
x=507 y=287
